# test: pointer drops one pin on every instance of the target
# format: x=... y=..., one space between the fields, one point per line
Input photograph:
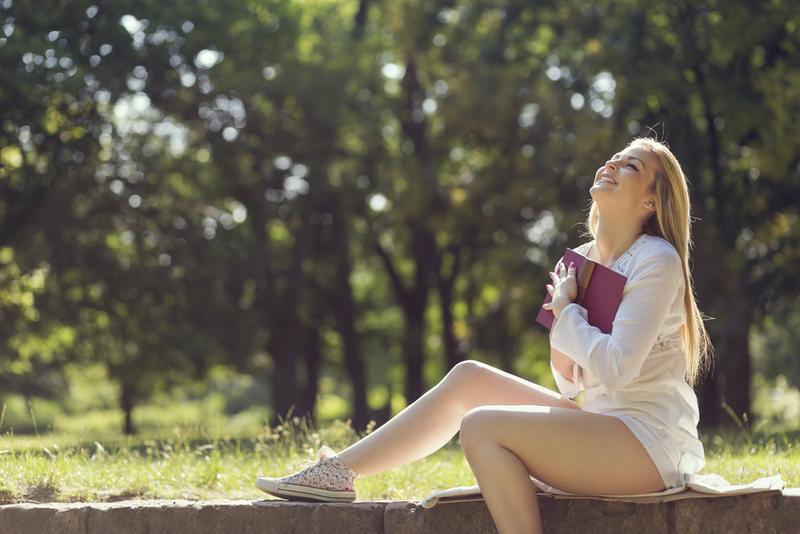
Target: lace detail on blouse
x=666 y=342
x=621 y=265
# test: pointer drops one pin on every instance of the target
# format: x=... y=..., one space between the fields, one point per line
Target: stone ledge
x=760 y=512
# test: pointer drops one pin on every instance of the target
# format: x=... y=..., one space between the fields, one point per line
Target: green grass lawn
x=199 y=463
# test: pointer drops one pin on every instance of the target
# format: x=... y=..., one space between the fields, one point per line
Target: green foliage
x=238 y=183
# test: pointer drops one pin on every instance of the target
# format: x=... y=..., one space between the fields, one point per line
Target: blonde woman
x=636 y=431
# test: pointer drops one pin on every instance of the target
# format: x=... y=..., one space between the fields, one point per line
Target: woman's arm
x=569 y=384
x=616 y=359
x=561 y=363
x=564 y=368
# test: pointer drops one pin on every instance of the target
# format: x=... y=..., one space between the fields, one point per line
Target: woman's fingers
x=554 y=277
x=549 y=289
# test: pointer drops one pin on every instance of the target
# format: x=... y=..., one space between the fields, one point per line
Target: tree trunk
x=722 y=277
x=451 y=352
x=126 y=403
x=731 y=381
x=345 y=317
x=285 y=351
x=445 y=283
x=280 y=306
x=414 y=348
x=422 y=240
x=709 y=402
x=424 y=249
x=737 y=365
x=313 y=360
x=709 y=286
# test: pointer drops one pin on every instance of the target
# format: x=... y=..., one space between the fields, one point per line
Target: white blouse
x=637 y=370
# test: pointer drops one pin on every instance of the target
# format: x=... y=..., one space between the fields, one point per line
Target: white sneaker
x=326 y=479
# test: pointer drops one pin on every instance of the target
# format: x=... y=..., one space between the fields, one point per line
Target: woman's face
x=624 y=181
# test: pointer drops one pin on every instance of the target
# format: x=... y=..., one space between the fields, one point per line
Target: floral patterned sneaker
x=326 y=479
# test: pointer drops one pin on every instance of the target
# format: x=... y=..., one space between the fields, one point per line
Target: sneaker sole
x=297 y=492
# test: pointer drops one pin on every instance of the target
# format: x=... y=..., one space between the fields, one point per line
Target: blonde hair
x=672 y=221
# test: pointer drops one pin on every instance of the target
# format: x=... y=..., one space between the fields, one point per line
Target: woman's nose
x=611 y=164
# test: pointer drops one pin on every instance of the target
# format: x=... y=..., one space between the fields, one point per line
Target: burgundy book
x=599 y=291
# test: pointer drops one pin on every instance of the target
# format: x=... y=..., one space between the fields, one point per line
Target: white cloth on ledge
x=696 y=486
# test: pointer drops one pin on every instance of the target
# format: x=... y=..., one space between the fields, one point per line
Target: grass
x=203 y=463
x=196 y=463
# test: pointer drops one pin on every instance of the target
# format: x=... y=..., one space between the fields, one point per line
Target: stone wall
x=755 y=513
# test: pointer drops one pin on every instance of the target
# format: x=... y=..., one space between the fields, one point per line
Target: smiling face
x=625 y=182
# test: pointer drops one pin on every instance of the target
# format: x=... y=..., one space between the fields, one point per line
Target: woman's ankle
x=345 y=463
x=345 y=459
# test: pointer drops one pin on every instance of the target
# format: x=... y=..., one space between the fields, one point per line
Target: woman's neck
x=613 y=239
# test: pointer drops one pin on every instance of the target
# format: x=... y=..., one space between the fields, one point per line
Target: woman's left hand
x=564 y=289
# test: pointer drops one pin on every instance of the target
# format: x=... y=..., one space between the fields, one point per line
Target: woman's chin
x=603 y=199
x=598 y=192
x=602 y=185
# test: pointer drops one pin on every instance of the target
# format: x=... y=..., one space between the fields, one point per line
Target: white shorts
x=665 y=455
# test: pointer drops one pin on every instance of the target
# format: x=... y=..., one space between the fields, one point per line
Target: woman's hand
x=564 y=288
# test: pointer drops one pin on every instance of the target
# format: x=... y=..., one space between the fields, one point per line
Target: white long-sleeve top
x=637 y=370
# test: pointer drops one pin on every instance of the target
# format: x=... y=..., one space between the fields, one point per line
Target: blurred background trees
x=342 y=200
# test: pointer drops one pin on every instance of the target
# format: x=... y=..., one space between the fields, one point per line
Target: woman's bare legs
x=510 y=429
x=430 y=422
x=573 y=450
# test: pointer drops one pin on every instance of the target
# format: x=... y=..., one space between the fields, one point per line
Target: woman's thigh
x=480 y=384
x=572 y=450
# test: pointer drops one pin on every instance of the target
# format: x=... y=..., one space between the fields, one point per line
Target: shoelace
x=323 y=453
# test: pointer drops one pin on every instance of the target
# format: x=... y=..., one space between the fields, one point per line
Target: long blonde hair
x=672 y=221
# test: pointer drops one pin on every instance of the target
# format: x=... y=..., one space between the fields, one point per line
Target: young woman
x=636 y=431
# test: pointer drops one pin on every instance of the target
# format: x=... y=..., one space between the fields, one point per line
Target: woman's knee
x=465 y=372
x=460 y=382
x=474 y=425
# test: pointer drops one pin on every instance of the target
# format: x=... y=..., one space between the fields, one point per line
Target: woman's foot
x=327 y=479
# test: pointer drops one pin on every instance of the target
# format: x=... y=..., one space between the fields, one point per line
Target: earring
x=649 y=204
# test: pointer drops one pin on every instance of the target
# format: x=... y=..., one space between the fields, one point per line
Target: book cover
x=599 y=291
